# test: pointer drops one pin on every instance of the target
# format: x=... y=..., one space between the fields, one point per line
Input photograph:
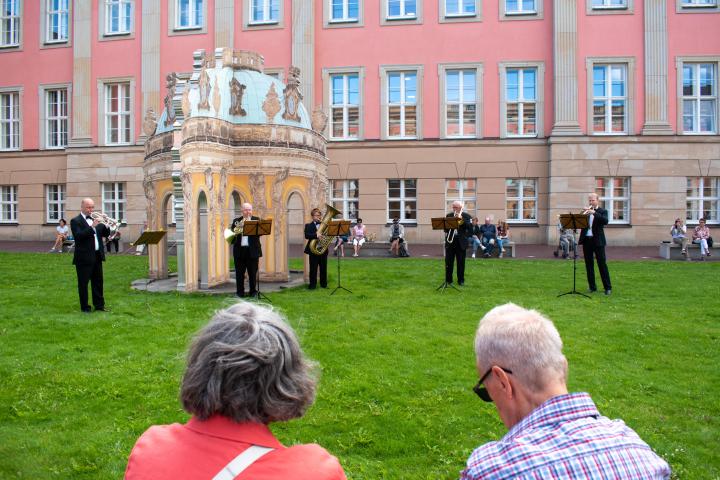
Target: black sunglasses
x=481 y=391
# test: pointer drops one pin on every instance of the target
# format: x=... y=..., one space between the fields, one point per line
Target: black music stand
x=574 y=221
x=257 y=228
x=445 y=224
x=148 y=237
x=338 y=228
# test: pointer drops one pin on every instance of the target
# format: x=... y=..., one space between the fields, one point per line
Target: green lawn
x=395 y=398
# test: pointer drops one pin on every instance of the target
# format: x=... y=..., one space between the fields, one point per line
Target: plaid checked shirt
x=566 y=437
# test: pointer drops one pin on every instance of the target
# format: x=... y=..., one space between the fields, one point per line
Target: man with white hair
x=456 y=243
x=552 y=433
x=246 y=253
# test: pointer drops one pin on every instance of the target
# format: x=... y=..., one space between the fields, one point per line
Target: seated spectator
x=488 y=235
x=679 y=235
x=503 y=235
x=245 y=369
x=62 y=232
x=701 y=235
x=475 y=239
x=552 y=433
x=340 y=242
x=566 y=242
x=358 y=236
x=397 y=235
x=113 y=239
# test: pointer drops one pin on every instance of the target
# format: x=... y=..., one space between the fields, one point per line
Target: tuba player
x=246 y=253
x=316 y=261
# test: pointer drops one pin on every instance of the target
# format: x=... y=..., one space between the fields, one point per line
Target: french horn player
x=456 y=243
x=246 y=252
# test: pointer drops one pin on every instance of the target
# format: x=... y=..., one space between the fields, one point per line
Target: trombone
x=450 y=237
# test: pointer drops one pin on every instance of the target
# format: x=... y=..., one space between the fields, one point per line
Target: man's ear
x=502 y=378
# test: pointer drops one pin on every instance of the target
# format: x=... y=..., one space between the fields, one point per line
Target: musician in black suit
x=593 y=241
x=89 y=255
x=455 y=249
x=316 y=261
x=246 y=252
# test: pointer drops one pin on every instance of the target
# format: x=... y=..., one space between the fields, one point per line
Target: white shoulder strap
x=238 y=464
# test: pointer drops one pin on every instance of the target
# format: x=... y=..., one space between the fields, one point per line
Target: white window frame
x=385 y=72
x=45 y=117
x=695 y=6
x=267 y=10
x=521 y=102
x=249 y=24
x=46 y=14
x=11 y=124
x=104 y=115
x=345 y=106
x=106 y=17
x=345 y=200
x=463 y=195
x=329 y=22
x=443 y=70
x=346 y=11
x=403 y=199
x=403 y=18
x=681 y=98
x=692 y=216
x=16 y=22
x=8 y=205
x=114 y=205
x=55 y=194
x=521 y=14
x=608 y=199
x=460 y=16
x=539 y=68
x=629 y=64
x=521 y=199
x=608 y=9
x=173 y=16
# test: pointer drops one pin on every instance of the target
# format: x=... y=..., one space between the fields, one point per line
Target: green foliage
x=396 y=361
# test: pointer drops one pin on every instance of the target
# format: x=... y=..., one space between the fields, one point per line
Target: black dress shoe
x=311 y=287
x=608 y=291
x=101 y=309
x=86 y=310
x=240 y=295
x=461 y=283
x=592 y=290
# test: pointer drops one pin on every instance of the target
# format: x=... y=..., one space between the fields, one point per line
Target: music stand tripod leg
x=339 y=286
x=575 y=255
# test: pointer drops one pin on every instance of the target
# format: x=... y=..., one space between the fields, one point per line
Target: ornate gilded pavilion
x=227 y=135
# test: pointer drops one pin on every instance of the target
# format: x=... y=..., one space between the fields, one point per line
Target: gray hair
x=523 y=341
x=246 y=364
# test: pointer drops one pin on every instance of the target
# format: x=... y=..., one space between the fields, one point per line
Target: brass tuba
x=318 y=246
x=237 y=230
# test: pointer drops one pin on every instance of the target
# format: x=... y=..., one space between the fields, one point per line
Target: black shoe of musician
x=101 y=309
x=608 y=291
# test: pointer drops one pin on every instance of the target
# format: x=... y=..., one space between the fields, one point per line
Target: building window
x=345 y=107
x=401 y=9
x=10 y=121
x=521 y=200
x=520 y=7
x=520 y=102
x=703 y=199
x=56 y=118
x=344 y=10
x=113 y=200
x=118 y=17
x=189 y=14
x=402 y=200
x=264 y=11
x=609 y=87
x=402 y=105
x=345 y=197
x=9 y=23
x=699 y=98
x=460 y=8
x=57 y=15
x=461 y=103
x=598 y=4
x=8 y=204
x=117 y=113
x=699 y=3
x=614 y=196
x=55 y=198
x=463 y=190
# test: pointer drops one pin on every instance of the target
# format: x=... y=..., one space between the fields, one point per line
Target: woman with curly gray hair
x=245 y=370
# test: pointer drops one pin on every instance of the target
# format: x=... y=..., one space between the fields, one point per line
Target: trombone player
x=456 y=243
x=89 y=231
x=246 y=252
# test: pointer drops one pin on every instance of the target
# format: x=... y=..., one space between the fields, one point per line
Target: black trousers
x=453 y=253
x=115 y=242
x=243 y=263
x=93 y=273
x=590 y=250
x=318 y=261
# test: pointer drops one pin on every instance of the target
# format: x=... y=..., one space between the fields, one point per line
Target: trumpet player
x=456 y=243
x=593 y=241
x=246 y=253
x=89 y=255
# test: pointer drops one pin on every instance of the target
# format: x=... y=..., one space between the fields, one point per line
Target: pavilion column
x=81 y=89
x=224 y=23
x=303 y=50
x=565 y=68
x=656 y=69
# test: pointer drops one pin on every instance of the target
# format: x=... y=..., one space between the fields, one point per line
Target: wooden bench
x=673 y=251
x=508 y=246
x=374 y=249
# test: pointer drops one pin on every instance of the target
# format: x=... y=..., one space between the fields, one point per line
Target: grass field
x=395 y=398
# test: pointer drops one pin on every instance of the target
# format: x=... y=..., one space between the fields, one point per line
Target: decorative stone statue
x=149 y=122
x=319 y=120
x=271 y=105
x=204 y=86
x=237 y=90
x=216 y=97
x=171 y=82
x=292 y=95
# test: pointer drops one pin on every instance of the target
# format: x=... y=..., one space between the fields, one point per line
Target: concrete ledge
x=673 y=251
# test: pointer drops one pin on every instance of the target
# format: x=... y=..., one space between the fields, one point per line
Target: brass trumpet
x=112 y=224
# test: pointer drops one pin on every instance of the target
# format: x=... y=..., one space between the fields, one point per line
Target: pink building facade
x=519 y=108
